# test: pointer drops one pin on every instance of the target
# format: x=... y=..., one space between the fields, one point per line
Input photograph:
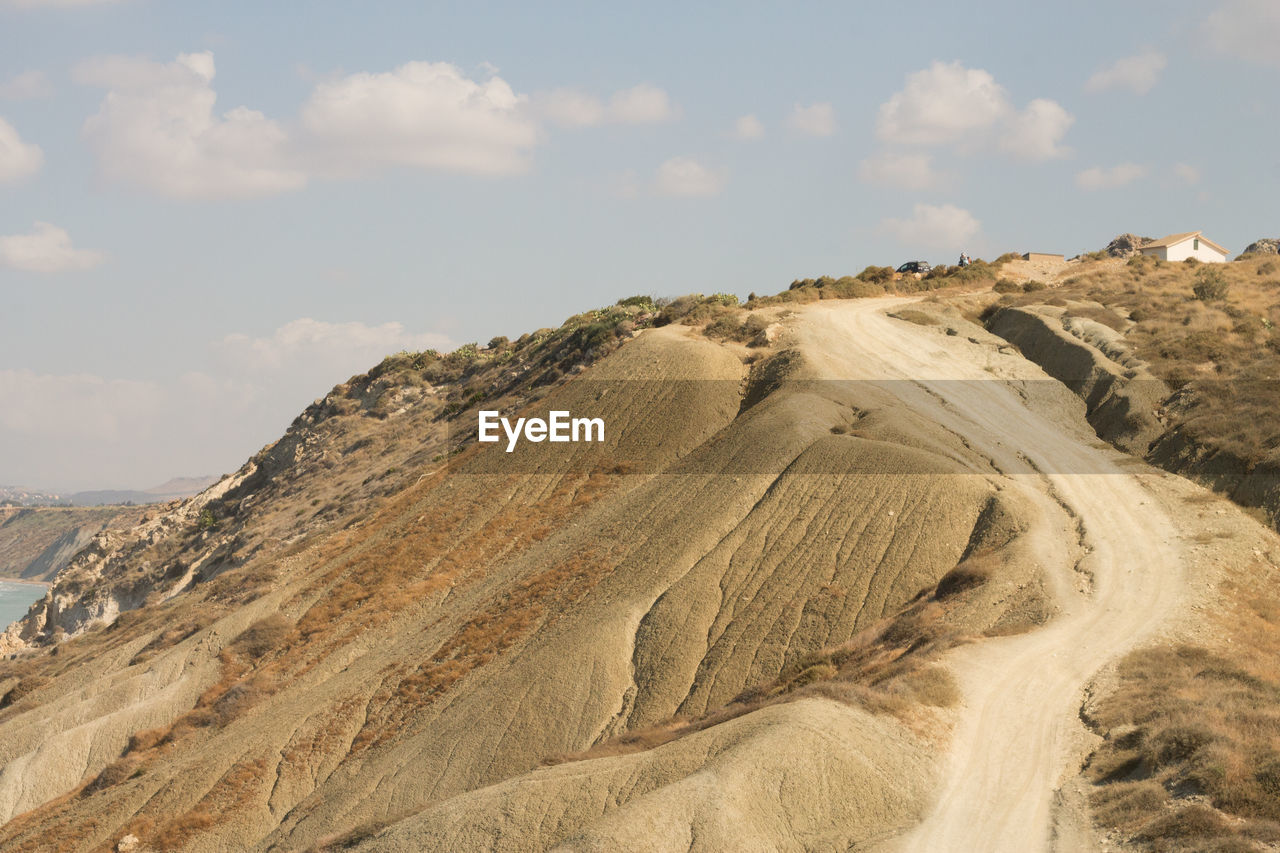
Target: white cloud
x=333 y=350
x=46 y=249
x=59 y=430
x=156 y=128
x=943 y=104
x=1098 y=178
x=908 y=171
x=1246 y=29
x=748 y=127
x=1137 y=73
x=571 y=108
x=1186 y=173
x=682 y=176
x=642 y=104
x=423 y=114
x=948 y=104
x=814 y=120
x=934 y=227
x=1036 y=132
x=26 y=86
x=18 y=159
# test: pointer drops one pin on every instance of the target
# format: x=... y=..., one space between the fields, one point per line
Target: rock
x=1265 y=246
x=1126 y=245
x=128 y=844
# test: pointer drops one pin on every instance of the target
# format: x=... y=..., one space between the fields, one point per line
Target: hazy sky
x=210 y=213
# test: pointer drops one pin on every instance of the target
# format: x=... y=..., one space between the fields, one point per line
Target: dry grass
x=920 y=318
x=486 y=635
x=1192 y=755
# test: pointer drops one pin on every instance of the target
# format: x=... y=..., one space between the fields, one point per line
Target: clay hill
x=874 y=564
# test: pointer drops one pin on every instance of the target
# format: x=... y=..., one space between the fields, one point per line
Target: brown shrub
x=143 y=740
x=1190 y=720
x=22 y=689
x=263 y=636
x=1127 y=805
x=113 y=774
x=1189 y=822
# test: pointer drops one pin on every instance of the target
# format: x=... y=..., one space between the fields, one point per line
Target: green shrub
x=854 y=288
x=876 y=275
x=1006 y=285
x=724 y=326
x=590 y=336
x=1033 y=285
x=1211 y=285
x=975 y=273
x=644 y=302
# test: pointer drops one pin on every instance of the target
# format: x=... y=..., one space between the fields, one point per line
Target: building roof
x=1175 y=239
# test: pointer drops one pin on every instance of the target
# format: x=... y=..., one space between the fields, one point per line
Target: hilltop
x=853 y=563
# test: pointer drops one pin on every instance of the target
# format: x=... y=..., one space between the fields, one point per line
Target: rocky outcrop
x=1123 y=398
x=103 y=579
x=1126 y=245
x=1265 y=246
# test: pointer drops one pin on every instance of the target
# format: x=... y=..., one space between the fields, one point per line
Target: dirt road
x=1110 y=552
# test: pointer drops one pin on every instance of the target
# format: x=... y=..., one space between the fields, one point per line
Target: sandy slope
x=1019 y=737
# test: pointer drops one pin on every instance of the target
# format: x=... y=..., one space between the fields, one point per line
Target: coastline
x=25 y=581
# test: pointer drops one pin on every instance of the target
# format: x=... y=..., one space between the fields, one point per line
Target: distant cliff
x=37 y=542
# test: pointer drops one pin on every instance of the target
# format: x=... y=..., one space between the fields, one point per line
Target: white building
x=1179 y=247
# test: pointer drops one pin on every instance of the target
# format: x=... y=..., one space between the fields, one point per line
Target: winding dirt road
x=1109 y=551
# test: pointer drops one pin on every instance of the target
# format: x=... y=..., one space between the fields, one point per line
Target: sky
x=212 y=213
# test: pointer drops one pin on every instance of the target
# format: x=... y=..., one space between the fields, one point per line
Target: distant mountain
x=181 y=487
x=178 y=487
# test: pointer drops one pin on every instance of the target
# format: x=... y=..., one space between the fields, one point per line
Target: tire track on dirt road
x=1018 y=737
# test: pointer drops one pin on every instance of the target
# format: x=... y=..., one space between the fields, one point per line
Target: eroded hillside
x=772 y=610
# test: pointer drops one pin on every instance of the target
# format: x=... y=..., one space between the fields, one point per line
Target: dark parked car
x=920 y=267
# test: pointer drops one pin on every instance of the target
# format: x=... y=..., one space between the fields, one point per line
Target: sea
x=15 y=599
